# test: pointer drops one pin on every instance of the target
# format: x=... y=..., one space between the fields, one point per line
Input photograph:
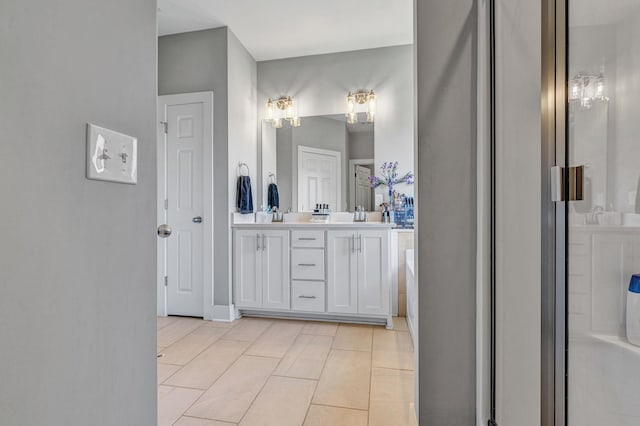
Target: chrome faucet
x=593 y=217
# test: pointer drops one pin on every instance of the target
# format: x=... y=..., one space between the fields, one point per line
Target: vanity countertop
x=287 y=225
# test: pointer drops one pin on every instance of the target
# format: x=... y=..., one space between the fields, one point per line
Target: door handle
x=264 y=242
x=197 y=219
x=306 y=297
x=164 y=231
x=306 y=264
x=257 y=242
x=353 y=243
x=360 y=244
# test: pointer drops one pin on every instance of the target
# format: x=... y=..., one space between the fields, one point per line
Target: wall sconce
x=361 y=100
x=585 y=89
x=280 y=110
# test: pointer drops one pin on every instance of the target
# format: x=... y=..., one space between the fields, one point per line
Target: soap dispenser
x=633 y=311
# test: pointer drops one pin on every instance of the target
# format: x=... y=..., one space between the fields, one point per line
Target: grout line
x=337 y=406
x=184 y=387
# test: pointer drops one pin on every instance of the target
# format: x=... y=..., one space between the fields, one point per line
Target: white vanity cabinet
x=261 y=269
x=358 y=265
x=334 y=272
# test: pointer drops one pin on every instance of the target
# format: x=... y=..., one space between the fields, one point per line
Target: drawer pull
x=302 y=296
x=307 y=239
x=306 y=264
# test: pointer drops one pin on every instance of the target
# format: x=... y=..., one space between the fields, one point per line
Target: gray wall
x=284 y=149
x=320 y=84
x=446 y=63
x=361 y=145
x=77 y=287
x=197 y=62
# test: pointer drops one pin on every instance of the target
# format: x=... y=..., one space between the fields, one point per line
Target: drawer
x=307 y=264
x=307 y=238
x=307 y=296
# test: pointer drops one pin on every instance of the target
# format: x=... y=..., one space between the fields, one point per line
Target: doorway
x=319 y=178
x=185 y=204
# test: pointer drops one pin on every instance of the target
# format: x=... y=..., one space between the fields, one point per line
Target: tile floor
x=265 y=372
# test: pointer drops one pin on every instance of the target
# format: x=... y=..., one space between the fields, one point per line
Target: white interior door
x=187 y=168
x=319 y=178
x=363 y=187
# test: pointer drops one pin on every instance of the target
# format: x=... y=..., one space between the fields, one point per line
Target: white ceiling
x=274 y=29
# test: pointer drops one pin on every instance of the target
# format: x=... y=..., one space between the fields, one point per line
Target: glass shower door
x=603 y=130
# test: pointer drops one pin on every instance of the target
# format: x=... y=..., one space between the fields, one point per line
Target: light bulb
x=372 y=107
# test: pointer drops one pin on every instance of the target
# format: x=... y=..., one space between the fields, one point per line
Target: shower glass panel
x=603 y=129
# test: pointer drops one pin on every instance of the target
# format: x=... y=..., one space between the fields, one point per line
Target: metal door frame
x=554 y=215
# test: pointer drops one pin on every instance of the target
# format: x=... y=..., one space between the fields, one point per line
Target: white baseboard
x=223 y=313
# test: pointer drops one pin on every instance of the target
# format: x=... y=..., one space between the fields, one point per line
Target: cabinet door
x=373 y=272
x=342 y=274
x=247 y=269
x=275 y=270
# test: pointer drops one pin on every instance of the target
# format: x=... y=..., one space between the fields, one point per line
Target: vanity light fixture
x=361 y=100
x=585 y=89
x=281 y=109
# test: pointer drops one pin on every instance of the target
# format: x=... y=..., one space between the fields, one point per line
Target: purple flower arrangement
x=389 y=172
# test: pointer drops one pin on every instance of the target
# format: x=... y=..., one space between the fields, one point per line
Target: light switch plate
x=111 y=156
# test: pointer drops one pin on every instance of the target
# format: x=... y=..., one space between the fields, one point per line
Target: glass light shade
x=290 y=110
x=269 y=114
x=352 y=118
x=576 y=90
x=277 y=123
x=600 y=88
x=350 y=104
x=372 y=106
x=295 y=122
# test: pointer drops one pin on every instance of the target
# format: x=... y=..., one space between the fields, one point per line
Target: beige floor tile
x=282 y=402
x=177 y=330
x=321 y=328
x=400 y=324
x=392 y=349
x=172 y=402
x=388 y=385
x=248 y=329
x=232 y=394
x=353 y=338
x=164 y=321
x=392 y=340
x=391 y=413
x=277 y=340
x=187 y=348
x=345 y=380
x=306 y=357
x=391 y=397
x=194 y=421
x=322 y=415
x=220 y=324
x=165 y=371
x=205 y=369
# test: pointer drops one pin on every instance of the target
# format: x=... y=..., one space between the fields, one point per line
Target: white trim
x=352 y=180
x=223 y=313
x=206 y=98
x=327 y=152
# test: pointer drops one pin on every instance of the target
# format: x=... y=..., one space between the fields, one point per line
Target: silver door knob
x=164 y=231
x=197 y=219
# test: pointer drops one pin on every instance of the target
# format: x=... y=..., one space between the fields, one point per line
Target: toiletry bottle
x=633 y=311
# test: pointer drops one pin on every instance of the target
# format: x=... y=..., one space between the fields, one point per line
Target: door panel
x=342 y=280
x=363 y=188
x=185 y=125
x=373 y=272
x=247 y=275
x=275 y=270
x=603 y=71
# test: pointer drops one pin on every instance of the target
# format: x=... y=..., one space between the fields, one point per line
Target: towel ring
x=240 y=165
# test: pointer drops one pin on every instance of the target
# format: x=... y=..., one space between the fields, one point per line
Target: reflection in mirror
x=324 y=161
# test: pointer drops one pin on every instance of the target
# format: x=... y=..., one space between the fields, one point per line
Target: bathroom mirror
x=323 y=161
x=590 y=146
